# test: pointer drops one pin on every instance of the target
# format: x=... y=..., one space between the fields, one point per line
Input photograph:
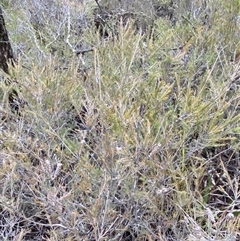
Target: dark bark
x=6 y=52
x=6 y=58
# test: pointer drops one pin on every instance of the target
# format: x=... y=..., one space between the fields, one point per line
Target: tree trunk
x=6 y=58
x=6 y=52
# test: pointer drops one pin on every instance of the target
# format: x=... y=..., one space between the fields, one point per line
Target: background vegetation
x=130 y=128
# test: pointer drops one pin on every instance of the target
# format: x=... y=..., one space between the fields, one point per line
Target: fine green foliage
x=130 y=129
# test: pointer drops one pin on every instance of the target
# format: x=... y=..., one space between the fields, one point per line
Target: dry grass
x=138 y=138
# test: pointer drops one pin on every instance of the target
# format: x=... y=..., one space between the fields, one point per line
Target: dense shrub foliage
x=130 y=123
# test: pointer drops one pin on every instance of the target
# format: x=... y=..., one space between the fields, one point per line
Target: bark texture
x=6 y=52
